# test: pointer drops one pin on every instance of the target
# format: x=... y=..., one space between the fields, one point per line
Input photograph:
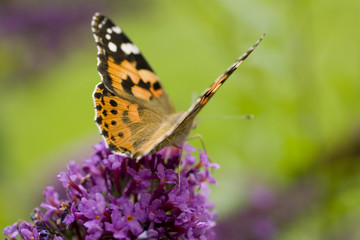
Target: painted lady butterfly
x=133 y=112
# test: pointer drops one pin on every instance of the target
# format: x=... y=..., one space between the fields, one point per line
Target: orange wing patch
x=141 y=83
x=114 y=117
x=151 y=77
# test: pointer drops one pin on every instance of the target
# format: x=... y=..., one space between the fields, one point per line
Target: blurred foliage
x=302 y=84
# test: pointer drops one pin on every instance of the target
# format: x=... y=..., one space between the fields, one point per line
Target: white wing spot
x=107 y=36
x=116 y=29
x=109 y=30
x=129 y=48
x=102 y=23
x=112 y=47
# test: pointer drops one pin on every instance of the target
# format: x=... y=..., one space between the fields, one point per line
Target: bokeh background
x=290 y=173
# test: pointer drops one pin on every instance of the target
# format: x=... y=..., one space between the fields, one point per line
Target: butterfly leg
x=181 y=152
x=198 y=136
x=201 y=140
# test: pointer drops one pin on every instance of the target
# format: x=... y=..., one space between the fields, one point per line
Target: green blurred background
x=294 y=168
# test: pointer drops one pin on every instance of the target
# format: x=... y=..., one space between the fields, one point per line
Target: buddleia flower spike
x=113 y=197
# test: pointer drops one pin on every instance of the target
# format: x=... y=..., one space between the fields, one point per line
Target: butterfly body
x=133 y=112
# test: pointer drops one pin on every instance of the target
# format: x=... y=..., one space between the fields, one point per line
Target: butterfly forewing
x=210 y=91
x=132 y=108
x=123 y=69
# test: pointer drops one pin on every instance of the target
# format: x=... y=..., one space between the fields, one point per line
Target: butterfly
x=133 y=112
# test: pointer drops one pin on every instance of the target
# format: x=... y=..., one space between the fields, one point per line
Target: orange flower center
x=129 y=218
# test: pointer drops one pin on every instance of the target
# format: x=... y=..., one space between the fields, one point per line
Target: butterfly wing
x=129 y=128
x=132 y=108
x=184 y=123
x=210 y=91
x=123 y=69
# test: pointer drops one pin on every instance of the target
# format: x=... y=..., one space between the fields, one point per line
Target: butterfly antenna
x=246 y=117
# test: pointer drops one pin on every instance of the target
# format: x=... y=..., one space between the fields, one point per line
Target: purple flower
x=11 y=231
x=113 y=161
x=93 y=208
x=28 y=231
x=166 y=175
x=70 y=216
x=204 y=158
x=94 y=229
x=51 y=203
x=110 y=196
x=117 y=226
x=141 y=179
x=132 y=216
x=152 y=208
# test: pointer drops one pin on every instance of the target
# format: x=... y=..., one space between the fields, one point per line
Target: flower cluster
x=113 y=197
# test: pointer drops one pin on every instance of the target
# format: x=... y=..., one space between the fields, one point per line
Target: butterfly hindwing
x=109 y=108
x=129 y=128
